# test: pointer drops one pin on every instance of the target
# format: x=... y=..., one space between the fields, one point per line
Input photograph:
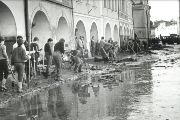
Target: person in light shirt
x=18 y=59
x=3 y=64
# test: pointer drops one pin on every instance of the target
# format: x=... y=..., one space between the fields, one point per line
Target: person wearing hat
x=57 y=57
x=48 y=49
x=18 y=59
x=3 y=64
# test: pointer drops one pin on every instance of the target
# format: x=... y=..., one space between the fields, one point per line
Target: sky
x=164 y=9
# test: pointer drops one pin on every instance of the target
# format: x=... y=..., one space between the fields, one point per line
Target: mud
x=145 y=89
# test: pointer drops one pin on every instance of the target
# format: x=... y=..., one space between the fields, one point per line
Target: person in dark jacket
x=57 y=58
x=93 y=45
x=18 y=60
x=3 y=64
x=48 y=54
x=76 y=61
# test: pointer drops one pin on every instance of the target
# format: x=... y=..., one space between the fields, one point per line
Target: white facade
x=47 y=19
x=153 y=34
x=179 y=20
x=58 y=19
x=178 y=24
x=101 y=18
x=166 y=30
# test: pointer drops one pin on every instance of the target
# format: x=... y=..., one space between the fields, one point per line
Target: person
x=3 y=64
x=111 y=53
x=97 y=48
x=18 y=60
x=116 y=47
x=26 y=44
x=93 y=45
x=28 y=68
x=16 y=44
x=102 y=42
x=34 y=58
x=110 y=41
x=102 y=51
x=57 y=58
x=76 y=61
x=136 y=43
x=83 y=42
x=48 y=54
x=145 y=45
x=80 y=46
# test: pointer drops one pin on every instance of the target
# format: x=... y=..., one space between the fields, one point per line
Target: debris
x=128 y=59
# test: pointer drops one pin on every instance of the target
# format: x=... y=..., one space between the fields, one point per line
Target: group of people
x=20 y=59
x=107 y=49
x=24 y=55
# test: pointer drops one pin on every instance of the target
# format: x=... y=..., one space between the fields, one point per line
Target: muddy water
x=143 y=92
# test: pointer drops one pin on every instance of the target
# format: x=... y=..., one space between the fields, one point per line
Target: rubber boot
x=20 y=87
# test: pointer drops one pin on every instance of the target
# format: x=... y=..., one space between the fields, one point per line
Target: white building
x=166 y=28
x=108 y=18
x=43 y=18
x=179 y=20
x=59 y=18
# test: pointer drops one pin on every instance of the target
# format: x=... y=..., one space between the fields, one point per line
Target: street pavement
x=146 y=89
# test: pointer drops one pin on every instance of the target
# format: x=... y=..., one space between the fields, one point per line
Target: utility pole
x=26 y=16
x=179 y=18
x=119 y=24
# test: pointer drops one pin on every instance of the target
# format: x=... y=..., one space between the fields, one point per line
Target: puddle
x=137 y=93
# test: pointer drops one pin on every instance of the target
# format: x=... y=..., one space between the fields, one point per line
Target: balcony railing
x=67 y=3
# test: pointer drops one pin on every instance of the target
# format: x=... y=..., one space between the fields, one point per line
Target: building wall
x=113 y=19
x=179 y=20
x=17 y=10
x=166 y=30
x=53 y=19
x=141 y=15
x=85 y=14
x=123 y=19
x=43 y=24
x=153 y=35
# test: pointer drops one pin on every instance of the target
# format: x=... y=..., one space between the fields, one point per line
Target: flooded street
x=146 y=91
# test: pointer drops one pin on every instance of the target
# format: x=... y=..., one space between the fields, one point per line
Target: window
x=78 y=0
x=113 y=1
x=94 y=3
x=105 y=4
x=123 y=5
x=120 y=5
x=108 y=3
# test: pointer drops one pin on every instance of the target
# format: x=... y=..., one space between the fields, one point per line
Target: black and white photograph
x=89 y=59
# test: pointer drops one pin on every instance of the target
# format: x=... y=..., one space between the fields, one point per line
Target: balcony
x=67 y=3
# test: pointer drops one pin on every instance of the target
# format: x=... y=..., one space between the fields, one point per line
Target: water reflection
x=98 y=98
